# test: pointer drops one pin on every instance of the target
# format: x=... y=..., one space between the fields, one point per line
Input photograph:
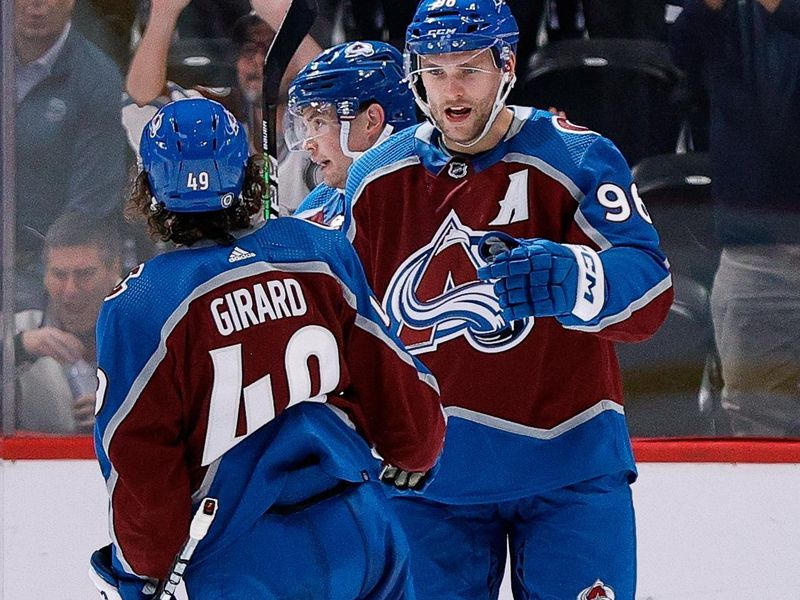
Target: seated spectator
x=149 y=89
x=55 y=347
x=70 y=146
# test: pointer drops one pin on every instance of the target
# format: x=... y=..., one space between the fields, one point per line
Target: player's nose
x=71 y=288
x=310 y=145
x=454 y=88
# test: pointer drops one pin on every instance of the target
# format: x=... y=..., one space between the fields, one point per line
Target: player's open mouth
x=457 y=114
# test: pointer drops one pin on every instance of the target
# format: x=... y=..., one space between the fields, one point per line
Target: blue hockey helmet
x=442 y=26
x=448 y=26
x=194 y=152
x=345 y=78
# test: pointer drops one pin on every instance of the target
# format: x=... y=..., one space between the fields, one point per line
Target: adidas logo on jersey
x=238 y=254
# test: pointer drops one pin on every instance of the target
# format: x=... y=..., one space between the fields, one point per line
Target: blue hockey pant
x=562 y=543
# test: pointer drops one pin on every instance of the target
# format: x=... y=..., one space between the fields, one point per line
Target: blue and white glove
x=112 y=587
x=539 y=278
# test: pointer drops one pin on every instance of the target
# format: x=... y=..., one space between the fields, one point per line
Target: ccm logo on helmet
x=438 y=32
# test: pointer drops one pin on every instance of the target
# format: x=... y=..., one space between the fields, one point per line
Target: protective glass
x=307 y=122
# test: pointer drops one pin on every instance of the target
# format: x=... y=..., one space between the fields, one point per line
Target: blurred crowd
x=694 y=92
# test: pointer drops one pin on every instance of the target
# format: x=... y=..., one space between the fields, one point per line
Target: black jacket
x=749 y=61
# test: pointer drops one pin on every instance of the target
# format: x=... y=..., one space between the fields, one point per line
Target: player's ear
x=511 y=64
x=376 y=120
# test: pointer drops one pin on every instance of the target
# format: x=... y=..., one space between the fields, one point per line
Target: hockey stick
x=294 y=27
x=198 y=529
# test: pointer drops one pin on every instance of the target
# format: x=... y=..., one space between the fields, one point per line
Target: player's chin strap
x=344 y=139
x=507 y=82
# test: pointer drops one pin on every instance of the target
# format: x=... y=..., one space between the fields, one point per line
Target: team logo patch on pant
x=597 y=591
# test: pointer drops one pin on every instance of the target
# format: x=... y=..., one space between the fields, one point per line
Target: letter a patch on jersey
x=514 y=207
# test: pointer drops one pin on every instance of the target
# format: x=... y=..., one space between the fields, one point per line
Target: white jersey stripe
x=535 y=432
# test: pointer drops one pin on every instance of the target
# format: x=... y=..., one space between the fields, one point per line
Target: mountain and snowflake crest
x=435 y=296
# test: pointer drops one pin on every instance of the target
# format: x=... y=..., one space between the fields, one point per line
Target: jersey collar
x=436 y=158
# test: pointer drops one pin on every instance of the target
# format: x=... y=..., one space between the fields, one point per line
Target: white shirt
x=36 y=71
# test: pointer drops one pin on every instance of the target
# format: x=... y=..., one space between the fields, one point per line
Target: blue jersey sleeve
x=323 y=205
x=128 y=334
x=635 y=272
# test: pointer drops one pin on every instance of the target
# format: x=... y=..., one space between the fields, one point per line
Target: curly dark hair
x=187 y=228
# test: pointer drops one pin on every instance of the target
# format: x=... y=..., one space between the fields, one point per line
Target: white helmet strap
x=503 y=90
x=344 y=139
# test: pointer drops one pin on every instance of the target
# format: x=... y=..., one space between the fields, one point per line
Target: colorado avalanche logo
x=357 y=49
x=563 y=124
x=435 y=296
x=598 y=591
x=231 y=125
x=155 y=124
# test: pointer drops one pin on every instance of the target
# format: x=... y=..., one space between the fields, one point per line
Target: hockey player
x=254 y=368
x=347 y=100
x=537 y=453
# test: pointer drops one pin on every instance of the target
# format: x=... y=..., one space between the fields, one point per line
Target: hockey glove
x=110 y=586
x=540 y=278
x=403 y=480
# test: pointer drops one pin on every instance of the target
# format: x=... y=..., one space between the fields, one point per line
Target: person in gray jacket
x=70 y=145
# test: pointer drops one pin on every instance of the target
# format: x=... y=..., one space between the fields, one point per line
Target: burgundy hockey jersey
x=224 y=367
x=533 y=405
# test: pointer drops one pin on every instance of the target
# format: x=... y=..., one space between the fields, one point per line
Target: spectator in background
x=748 y=54
x=55 y=347
x=149 y=88
x=70 y=146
